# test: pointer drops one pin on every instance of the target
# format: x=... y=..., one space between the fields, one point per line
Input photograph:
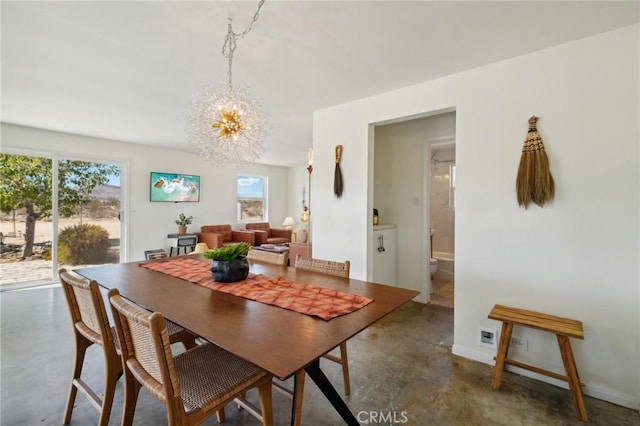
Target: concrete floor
x=402 y=364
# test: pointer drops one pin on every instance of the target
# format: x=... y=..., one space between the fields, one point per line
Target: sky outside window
x=250 y=186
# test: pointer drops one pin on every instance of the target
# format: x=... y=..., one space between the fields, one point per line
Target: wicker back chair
x=193 y=385
x=91 y=326
x=336 y=269
x=269 y=257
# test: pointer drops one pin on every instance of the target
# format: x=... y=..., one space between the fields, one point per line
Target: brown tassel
x=534 y=183
x=337 y=178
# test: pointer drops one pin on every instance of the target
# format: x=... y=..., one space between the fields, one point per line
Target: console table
x=181 y=241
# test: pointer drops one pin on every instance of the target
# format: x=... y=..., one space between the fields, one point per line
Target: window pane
x=251 y=198
x=89 y=209
x=25 y=225
x=250 y=186
x=251 y=210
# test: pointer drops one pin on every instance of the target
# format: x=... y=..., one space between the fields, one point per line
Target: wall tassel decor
x=534 y=183
x=337 y=179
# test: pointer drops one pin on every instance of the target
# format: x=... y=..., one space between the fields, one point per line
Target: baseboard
x=465 y=352
x=594 y=391
x=612 y=396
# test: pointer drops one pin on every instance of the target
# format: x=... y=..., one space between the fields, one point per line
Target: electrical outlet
x=519 y=343
x=487 y=337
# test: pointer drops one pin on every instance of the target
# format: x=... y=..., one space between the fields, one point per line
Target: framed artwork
x=175 y=188
x=155 y=254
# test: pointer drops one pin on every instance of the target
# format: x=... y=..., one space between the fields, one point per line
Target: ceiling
x=128 y=71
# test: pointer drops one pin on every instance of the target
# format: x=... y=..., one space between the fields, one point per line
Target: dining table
x=279 y=340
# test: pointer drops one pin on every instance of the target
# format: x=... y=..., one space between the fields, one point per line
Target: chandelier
x=227 y=126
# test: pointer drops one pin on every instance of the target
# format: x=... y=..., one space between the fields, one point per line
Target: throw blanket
x=277 y=291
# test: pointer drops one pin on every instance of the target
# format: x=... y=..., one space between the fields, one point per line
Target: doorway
x=58 y=212
x=401 y=189
x=441 y=171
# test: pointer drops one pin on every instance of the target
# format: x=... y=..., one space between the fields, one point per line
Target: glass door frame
x=55 y=157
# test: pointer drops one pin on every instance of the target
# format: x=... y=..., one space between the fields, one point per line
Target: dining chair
x=336 y=269
x=91 y=326
x=269 y=257
x=193 y=385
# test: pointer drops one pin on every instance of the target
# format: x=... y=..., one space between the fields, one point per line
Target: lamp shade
x=200 y=248
x=289 y=221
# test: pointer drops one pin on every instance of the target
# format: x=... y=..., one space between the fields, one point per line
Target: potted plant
x=182 y=223
x=229 y=263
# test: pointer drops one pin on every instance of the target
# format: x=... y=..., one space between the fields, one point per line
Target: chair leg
x=189 y=341
x=81 y=349
x=131 y=391
x=243 y=395
x=345 y=368
x=266 y=405
x=113 y=367
x=221 y=416
x=297 y=399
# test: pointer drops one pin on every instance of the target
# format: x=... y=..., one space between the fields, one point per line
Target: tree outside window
x=252 y=198
x=26 y=185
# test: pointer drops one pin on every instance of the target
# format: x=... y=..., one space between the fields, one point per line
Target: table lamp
x=200 y=248
x=289 y=223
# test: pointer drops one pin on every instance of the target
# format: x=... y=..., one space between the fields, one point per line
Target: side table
x=181 y=241
x=302 y=249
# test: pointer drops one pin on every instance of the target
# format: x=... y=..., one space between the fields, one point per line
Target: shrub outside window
x=252 y=199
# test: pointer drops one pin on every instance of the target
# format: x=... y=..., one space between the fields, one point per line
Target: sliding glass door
x=88 y=212
x=25 y=200
x=57 y=212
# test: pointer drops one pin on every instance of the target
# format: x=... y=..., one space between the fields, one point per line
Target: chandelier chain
x=230 y=41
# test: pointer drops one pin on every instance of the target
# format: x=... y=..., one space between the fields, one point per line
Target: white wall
x=577 y=257
x=149 y=223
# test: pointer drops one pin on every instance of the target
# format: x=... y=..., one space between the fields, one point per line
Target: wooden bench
x=563 y=328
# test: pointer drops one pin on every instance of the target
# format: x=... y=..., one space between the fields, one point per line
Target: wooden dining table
x=275 y=339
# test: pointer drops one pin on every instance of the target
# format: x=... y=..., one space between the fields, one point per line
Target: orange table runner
x=306 y=299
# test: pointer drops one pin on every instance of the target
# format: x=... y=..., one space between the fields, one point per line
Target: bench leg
x=503 y=351
x=572 y=376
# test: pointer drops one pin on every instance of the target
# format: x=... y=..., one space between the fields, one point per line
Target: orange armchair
x=265 y=234
x=221 y=235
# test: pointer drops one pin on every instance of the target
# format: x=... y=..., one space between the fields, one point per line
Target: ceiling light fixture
x=227 y=126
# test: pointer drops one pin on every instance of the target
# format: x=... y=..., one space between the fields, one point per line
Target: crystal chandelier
x=227 y=126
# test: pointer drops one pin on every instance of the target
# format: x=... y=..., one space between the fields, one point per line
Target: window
x=252 y=199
